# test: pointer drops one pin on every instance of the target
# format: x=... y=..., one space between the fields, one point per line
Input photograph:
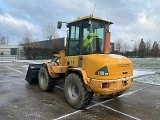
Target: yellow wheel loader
x=87 y=68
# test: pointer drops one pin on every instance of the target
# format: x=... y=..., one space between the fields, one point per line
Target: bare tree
x=125 y=46
x=155 y=49
x=4 y=40
x=118 y=44
x=30 y=48
x=148 y=47
x=50 y=32
x=28 y=38
x=138 y=43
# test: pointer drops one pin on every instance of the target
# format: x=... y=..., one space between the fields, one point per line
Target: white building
x=9 y=49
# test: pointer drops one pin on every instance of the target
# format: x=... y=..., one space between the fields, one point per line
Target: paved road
x=21 y=101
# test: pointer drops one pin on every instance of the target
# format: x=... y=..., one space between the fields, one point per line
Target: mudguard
x=32 y=73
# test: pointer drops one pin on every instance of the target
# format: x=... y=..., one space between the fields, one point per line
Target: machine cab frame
x=87 y=35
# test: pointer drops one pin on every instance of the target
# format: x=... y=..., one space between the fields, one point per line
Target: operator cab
x=87 y=35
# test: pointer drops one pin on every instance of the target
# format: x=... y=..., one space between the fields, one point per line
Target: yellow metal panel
x=118 y=66
x=59 y=69
x=72 y=61
x=114 y=85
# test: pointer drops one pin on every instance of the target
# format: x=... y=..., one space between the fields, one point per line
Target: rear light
x=124 y=83
x=105 y=85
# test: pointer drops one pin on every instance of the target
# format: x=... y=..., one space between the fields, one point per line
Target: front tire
x=75 y=92
x=46 y=83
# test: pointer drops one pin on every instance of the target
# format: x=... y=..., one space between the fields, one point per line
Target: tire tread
x=51 y=82
x=87 y=97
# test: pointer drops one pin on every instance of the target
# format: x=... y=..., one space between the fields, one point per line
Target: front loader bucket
x=32 y=73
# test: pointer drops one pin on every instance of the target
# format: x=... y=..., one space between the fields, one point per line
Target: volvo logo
x=123 y=65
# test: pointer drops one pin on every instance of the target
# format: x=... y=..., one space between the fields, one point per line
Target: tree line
x=145 y=51
x=140 y=48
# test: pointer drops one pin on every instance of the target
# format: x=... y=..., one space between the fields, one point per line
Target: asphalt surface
x=21 y=101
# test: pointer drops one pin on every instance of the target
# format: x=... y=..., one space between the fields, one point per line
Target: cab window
x=93 y=37
x=74 y=40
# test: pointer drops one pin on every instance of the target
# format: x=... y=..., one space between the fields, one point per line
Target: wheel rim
x=73 y=91
x=43 y=79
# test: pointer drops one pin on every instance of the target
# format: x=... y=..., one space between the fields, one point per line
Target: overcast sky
x=133 y=19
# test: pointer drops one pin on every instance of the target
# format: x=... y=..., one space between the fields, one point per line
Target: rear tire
x=75 y=92
x=46 y=83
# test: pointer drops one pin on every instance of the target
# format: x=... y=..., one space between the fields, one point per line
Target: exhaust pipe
x=32 y=73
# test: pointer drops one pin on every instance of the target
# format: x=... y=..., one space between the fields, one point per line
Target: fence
x=7 y=58
x=8 y=53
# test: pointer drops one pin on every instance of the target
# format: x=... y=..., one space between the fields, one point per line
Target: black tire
x=46 y=83
x=75 y=92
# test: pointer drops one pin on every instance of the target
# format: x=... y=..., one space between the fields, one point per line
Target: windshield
x=93 y=37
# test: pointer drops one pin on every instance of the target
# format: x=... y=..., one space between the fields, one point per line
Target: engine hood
x=107 y=66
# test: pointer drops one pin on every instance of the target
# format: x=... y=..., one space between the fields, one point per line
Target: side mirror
x=59 y=24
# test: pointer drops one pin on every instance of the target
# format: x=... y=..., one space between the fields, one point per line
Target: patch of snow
x=34 y=61
x=151 y=79
x=116 y=56
x=146 y=70
x=138 y=73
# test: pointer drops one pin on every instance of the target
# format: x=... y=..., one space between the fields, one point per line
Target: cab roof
x=90 y=17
